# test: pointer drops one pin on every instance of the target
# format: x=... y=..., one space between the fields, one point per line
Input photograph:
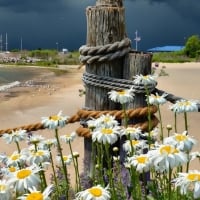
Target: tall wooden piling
x=106 y=25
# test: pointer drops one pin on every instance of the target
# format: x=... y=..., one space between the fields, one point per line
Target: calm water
x=11 y=74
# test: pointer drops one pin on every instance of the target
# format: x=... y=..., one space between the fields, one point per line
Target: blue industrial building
x=166 y=49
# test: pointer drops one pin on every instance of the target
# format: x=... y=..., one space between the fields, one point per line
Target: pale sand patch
x=183 y=81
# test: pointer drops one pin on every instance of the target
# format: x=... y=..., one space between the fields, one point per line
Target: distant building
x=65 y=51
x=166 y=49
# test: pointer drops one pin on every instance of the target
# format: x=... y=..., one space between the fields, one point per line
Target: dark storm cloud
x=24 y=6
x=189 y=9
x=43 y=23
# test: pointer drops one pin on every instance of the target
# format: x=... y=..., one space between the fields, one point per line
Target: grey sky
x=43 y=23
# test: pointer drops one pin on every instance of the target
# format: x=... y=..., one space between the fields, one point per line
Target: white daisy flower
x=15 y=136
x=68 y=137
x=184 y=106
x=5 y=190
x=167 y=157
x=54 y=121
x=153 y=133
x=194 y=155
x=189 y=181
x=35 y=139
x=182 y=141
x=94 y=193
x=106 y=135
x=92 y=124
x=47 y=143
x=106 y=121
x=135 y=144
x=140 y=162
x=16 y=158
x=25 y=178
x=39 y=156
x=133 y=132
x=38 y=195
x=6 y=171
x=122 y=96
x=157 y=99
x=144 y=79
x=67 y=159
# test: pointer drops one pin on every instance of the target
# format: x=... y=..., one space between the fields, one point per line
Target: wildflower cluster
x=126 y=162
x=23 y=172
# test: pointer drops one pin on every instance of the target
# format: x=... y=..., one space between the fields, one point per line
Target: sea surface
x=12 y=74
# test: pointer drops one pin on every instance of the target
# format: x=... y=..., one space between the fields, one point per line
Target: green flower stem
x=78 y=184
x=188 y=162
x=41 y=173
x=175 y=122
x=161 y=125
x=93 y=160
x=125 y=115
x=100 y=154
x=169 y=184
x=186 y=121
x=18 y=148
x=132 y=148
x=109 y=171
x=76 y=162
x=119 y=174
x=135 y=183
x=144 y=185
x=54 y=171
x=63 y=163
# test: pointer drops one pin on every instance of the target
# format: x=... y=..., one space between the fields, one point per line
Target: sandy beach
x=63 y=94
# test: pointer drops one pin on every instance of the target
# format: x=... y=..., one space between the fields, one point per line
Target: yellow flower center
x=35 y=196
x=106 y=119
x=180 y=137
x=134 y=142
x=96 y=192
x=107 y=131
x=39 y=153
x=23 y=173
x=193 y=177
x=55 y=117
x=167 y=149
x=188 y=103
x=12 y=169
x=65 y=158
x=15 y=157
x=121 y=92
x=142 y=159
x=2 y=187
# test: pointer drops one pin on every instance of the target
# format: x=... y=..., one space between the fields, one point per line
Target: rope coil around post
x=115 y=83
x=104 y=53
x=119 y=114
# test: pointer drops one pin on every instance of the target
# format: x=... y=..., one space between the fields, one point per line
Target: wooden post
x=106 y=25
x=137 y=63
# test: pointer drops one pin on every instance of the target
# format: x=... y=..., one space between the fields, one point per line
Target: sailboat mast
x=6 y=42
x=1 y=43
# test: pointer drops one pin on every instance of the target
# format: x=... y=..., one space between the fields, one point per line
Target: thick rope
x=104 y=53
x=85 y=114
x=115 y=83
x=170 y=97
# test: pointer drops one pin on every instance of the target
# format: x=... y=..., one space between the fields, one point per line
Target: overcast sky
x=43 y=23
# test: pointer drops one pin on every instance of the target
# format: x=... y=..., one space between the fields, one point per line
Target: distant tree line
x=192 y=46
